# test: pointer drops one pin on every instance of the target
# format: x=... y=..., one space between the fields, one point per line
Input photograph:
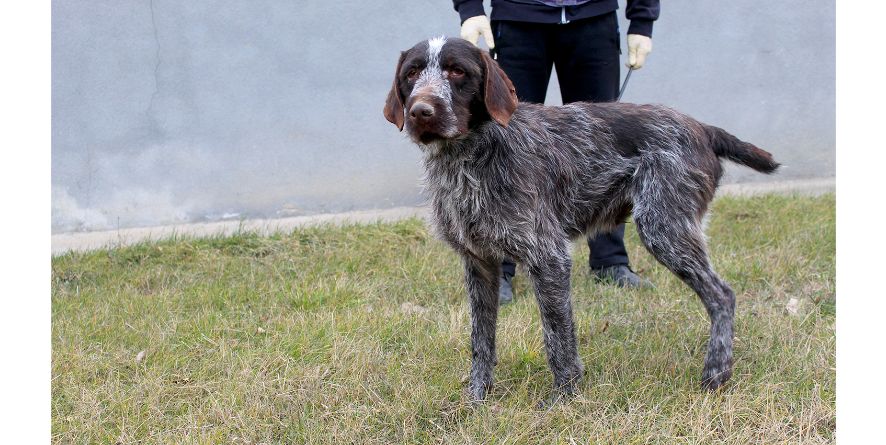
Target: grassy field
x=360 y=334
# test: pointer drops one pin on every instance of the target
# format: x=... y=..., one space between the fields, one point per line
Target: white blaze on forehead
x=435 y=45
x=432 y=76
x=431 y=80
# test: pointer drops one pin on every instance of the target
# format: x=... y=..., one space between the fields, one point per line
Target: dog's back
x=588 y=163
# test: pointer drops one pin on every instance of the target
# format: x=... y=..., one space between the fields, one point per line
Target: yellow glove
x=473 y=27
x=639 y=47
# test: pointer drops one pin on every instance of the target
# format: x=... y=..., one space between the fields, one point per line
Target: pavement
x=87 y=241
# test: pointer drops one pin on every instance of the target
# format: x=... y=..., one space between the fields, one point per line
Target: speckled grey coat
x=522 y=180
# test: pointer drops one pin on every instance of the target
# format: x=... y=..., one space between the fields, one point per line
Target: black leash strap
x=624 y=85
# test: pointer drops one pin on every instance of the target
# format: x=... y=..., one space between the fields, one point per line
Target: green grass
x=301 y=337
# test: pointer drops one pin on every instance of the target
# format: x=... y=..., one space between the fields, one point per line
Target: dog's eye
x=412 y=74
x=456 y=72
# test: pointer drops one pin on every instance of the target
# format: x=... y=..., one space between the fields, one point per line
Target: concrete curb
x=807 y=187
x=86 y=241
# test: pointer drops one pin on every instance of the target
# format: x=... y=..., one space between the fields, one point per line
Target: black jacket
x=641 y=13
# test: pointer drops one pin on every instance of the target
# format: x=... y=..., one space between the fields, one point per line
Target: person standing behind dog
x=580 y=38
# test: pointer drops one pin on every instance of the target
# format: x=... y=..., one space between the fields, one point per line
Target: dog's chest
x=460 y=202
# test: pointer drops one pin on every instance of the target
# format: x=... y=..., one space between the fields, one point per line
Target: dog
x=522 y=180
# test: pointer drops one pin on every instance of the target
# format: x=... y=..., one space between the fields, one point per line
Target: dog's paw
x=567 y=380
x=476 y=391
x=714 y=377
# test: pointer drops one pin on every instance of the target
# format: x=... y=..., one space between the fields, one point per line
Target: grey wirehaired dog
x=521 y=180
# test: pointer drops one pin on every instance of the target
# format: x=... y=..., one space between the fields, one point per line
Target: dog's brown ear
x=499 y=95
x=394 y=105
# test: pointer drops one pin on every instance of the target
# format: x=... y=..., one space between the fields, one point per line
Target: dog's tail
x=730 y=147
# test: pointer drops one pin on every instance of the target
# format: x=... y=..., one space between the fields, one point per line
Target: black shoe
x=621 y=275
x=505 y=290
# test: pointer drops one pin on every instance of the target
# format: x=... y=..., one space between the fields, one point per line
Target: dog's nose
x=421 y=110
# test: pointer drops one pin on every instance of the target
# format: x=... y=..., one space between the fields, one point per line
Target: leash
x=624 y=85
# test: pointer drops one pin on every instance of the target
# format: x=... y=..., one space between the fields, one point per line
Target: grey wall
x=171 y=111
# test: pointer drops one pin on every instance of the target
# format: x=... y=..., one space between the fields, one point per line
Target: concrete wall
x=168 y=111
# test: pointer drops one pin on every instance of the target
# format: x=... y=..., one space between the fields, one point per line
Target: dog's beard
x=424 y=136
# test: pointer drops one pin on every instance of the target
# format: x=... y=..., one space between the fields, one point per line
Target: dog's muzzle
x=427 y=118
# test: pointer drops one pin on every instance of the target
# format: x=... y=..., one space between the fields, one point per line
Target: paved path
x=85 y=241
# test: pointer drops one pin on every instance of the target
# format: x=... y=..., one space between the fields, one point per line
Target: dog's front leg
x=550 y=276
x=481 y=280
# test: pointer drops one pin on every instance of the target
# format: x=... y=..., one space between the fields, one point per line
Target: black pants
x=585 y=53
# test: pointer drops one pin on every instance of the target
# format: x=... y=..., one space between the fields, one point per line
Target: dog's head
x=443 y=87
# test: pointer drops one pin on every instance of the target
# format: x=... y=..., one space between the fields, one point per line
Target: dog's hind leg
x=481 y=280
x=550 y=276
x=677 y=242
